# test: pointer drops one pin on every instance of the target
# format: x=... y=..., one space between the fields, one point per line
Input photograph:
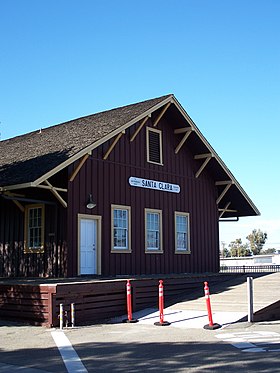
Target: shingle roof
x=30 y=159
x=25 y=158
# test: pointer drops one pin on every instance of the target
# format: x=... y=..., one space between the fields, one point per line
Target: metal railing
x=250 y=269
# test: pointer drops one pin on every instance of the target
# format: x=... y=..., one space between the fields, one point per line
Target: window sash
x=34 y=229
x=153 y=231
x=182 y=232
x=120 y=228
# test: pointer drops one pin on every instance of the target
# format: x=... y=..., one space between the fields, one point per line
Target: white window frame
x=28 y=248
x=182 y=250
x=127 y=248
x=152 y=250
x=149 y=129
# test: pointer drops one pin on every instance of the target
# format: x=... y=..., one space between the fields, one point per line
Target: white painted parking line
x=261 y=341
x=69 y=355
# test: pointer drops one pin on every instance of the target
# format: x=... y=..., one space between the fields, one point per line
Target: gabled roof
x=30 y=159
x=26 y=158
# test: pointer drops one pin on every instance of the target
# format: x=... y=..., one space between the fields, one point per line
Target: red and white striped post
x=161 y=306
x=129 y=304
x=211 y=325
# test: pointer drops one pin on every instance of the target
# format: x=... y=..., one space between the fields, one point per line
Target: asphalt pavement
x=183 y=346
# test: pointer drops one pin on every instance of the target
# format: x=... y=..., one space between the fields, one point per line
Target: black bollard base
x=132 y=321
x=165 y=323
x=212 y=327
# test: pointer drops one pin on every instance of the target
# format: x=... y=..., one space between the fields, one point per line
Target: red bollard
x=129 y=304
x=161 y=306
x=211 y=325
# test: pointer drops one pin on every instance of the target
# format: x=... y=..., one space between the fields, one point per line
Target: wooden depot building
x=136 y=190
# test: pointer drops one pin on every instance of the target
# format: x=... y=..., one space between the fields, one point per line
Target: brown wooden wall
x=38 y=304
x=107 y=180
x=13 y=261
x=27 y=303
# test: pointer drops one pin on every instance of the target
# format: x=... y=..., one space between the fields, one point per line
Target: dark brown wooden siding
x=13 y=261
x=95 y=300
x=107 y=180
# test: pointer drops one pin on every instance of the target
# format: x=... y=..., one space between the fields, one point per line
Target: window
x=154 y=146
x=121 y=229
x=182 y=236
x=34 y=229
x=153 y=231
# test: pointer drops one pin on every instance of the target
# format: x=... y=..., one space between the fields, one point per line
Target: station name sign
x=153 y=184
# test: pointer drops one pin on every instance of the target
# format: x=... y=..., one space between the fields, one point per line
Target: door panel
x=88 y=257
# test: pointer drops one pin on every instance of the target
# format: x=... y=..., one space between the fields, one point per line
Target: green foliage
x=256 y=241
x=237 y=248
x=269 y=251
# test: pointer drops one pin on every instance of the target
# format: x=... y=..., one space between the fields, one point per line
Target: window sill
x=38 y=250
x=153 y=251
x=121 y=251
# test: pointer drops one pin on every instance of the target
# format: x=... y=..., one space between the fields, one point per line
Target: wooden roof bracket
x=207 y=157
x=140 y=127
x=161 y=114
x=227 y=184
x=15 y=195
x=56 y=194
x=114 y=143
x=188 y=131
x=225 y=209
x=19 y=205
x=54 y=191
x=79 y=166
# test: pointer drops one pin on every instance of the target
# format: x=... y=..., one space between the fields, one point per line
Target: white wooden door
x=88 y=252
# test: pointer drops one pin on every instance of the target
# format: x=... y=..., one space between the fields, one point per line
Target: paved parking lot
x=141 y=348
x=184 y=346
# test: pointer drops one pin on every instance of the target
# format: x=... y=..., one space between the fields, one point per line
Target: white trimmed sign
x=153 y=184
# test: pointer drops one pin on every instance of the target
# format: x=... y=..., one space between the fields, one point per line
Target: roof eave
x=17 y=186
x=212 y=151
x=90 y=148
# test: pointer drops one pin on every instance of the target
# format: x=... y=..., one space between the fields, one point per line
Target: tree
x=237 y=248
x=224 y=252
x=256 y=241
x=269 y=251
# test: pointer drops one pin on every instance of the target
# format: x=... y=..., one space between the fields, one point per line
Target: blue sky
x=63 y=59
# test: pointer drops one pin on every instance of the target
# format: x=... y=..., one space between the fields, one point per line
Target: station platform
x=228 y=303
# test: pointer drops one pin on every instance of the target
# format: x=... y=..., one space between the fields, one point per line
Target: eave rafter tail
x=141 y=125
x=227 y=184
x=187 y=132
x=114 y=143
x=161 y=114
x=54 y=191
x=207 y=157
